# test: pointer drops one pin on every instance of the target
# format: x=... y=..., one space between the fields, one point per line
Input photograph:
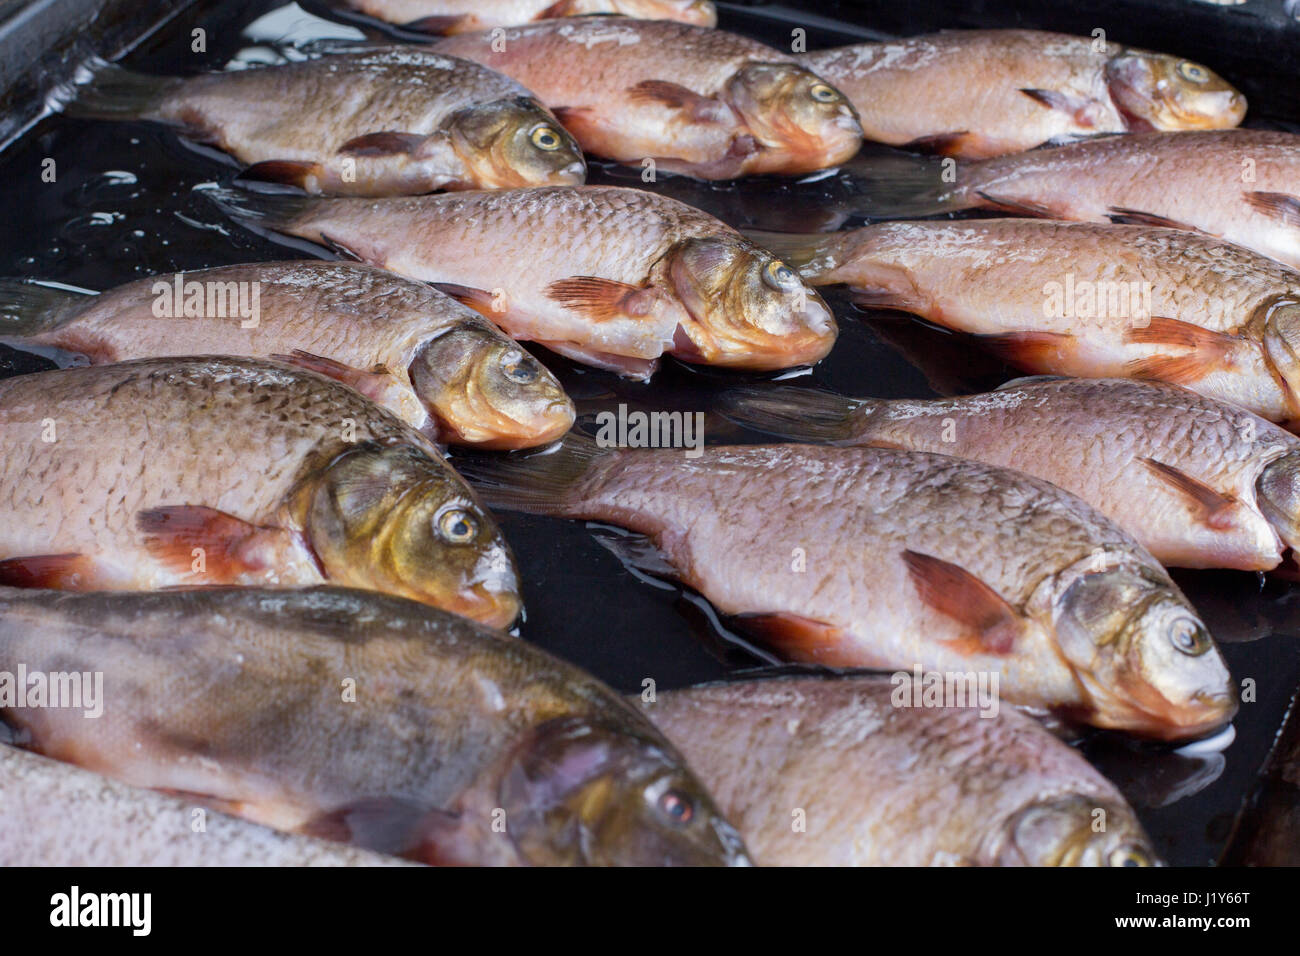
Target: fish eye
x=518 y=369
x=457 y=526
x=1189 y=637
x=1193 y=73
x=780 y=276
x=545 y=137
x=1128 y=855
x=823 y=93
x=676 y=806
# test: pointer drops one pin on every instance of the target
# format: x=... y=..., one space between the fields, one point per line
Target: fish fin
x=888 y=183
x=627 y=366
x=1216 y=507
x=1022 y=206
x=28 y=308
x=435 y=25
x=992 y=623
x=480 y=300
x=805 y=413
x=1136 y=217
x=386 y=143
x=636 y=552
x=942 y=144
x=886 y=299
x=799 y=638
x=1075 y=107
x=1176 y=369
x=115 y=93
x=573 y=118
x=1280 y=206
x=1032 y=350
x=539 y=483
x=371 y=384
x=287 y=172
x=339 y=248
x=1162 y=330
x=601 y=299
x=63 y=572
x=384 y=824
x=676 y=96
x=275 y=211
x=173 y=533
x=797 y=250
x=1030 y=380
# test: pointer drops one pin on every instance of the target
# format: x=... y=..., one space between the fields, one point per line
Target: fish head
x=802 y=122
x=580 y=793
x=1063 y=831
x=481 y=388
x=1280 y=319
x=700 y=13
x=513 y=143
x=392 y=518
x=1160 y=92
x=747 y=309
x=1143 y=655
x=1277 y=491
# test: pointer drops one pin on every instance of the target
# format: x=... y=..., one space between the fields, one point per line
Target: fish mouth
x=1150 y=714
x=548 y=426
x=490 y=607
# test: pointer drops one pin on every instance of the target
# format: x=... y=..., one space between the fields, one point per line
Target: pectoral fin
x=1077 y=108
x=678 y=97
x=601 y=299
x=1136 y=217
x=386 y=143
x=371 y=384
x=186 y=537
x=991 y=625
x=1215 y=507
x=1280 y=206
x=1206 y=348
x=64 y=572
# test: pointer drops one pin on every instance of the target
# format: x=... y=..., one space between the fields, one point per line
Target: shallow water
x=124 y=206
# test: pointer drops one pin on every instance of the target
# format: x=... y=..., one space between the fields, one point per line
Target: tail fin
x=891 y=184
x=798 y=250
x=115 y=93
x=538 y=483
x=804 y=414
x=27 y=308
x=273 y=211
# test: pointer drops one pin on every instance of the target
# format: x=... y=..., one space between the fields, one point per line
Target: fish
x=1199 y=483
x=55 y=814
x=384 y=121
x=875 y=557
x=363 y=718
x=437 y=365
x=847 y=771
x=976 y=94
x=1238 y=185
x=462 y=16
x=1084 y=299
x=673 y=97
x=626 y=276
x=204 y=471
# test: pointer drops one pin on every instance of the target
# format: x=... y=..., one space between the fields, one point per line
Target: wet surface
x=123 y=205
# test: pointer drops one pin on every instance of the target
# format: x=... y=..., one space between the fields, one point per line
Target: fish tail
x=114 y=93
x=538 y=483
x=28 y=308
x=891 y=184
x=798 y=250
x=274 y=211
x=804 y=414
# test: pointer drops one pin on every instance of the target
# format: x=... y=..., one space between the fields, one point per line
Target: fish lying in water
x=186 y=472
x=461 y=16
x=982 y=93
x=55 y=814
x=876 y=783
x=379 y=122
x=1199 y=483
x=1084 y=299
x=439 y=366
x=1237 y=184
x=627 y=275
x=698 y=102
x=362 y=718
x=873 y=557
